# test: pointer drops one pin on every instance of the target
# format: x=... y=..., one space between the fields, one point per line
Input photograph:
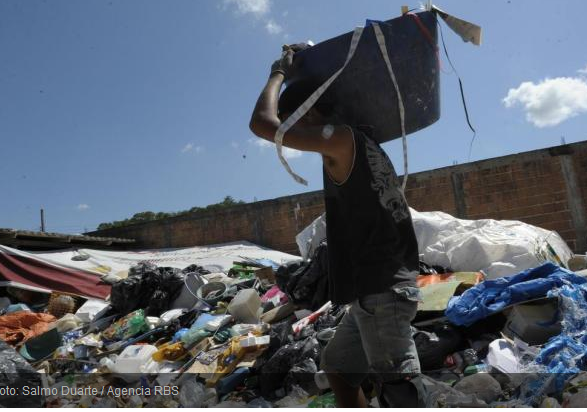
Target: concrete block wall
x=546 y=188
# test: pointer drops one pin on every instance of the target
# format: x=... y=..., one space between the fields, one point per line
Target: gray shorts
x=375 y=337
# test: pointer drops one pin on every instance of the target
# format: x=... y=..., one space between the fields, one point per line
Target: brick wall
x=546 y=187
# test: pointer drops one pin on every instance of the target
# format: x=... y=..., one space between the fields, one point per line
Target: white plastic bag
x=496 y=247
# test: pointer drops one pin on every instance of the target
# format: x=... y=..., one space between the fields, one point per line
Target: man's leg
x=345 y=364
x=347 y=396
x=384 y=323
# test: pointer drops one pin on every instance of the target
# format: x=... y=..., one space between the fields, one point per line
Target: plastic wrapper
x=170 y=352
x=259 y=403
x=91 y=340
x=192 y=394
x=15 y=372
x=325 y=401
x=274 y=295
x=67 y=322
x=297 y=397
x=194 y=335
x=127 y=327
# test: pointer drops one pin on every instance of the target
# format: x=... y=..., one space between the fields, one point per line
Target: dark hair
x=297 y=92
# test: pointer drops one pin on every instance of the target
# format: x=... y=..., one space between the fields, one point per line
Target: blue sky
x=112 y=107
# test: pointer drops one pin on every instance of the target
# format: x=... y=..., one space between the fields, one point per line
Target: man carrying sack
x=372 y=247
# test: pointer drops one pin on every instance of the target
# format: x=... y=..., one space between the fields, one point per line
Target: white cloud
x=551 y=101
x=190 y=146
x=262 y=143
x=582 y=71
x=288 y=153
x=82 y=207
x=257 y=8
x=273 y=28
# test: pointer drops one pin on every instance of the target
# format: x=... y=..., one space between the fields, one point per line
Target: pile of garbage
x=253 y=336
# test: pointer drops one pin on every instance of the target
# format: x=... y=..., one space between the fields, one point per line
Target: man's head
x=297 y=93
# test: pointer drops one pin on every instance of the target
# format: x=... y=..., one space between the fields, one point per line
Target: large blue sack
x=492 y=296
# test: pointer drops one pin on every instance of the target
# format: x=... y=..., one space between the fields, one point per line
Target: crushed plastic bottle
x=324 y=401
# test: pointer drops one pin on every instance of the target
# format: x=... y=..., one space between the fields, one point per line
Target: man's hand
x=283 y=64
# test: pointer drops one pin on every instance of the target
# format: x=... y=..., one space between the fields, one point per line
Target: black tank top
x=371 y=241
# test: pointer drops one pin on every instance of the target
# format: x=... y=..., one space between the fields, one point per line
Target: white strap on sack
x=307 y=105
x=400 y=103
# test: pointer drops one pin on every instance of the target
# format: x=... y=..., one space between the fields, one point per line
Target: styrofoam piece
x=501 y=356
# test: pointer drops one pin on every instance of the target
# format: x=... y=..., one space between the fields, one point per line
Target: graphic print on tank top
x=385 y=181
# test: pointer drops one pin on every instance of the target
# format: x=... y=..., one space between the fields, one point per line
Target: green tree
x=149 y=216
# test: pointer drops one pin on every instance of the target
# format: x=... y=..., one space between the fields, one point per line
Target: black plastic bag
x=277 y=367
x=147 y=286
x=436 y=343
x=306 y=283
x=15 y=373
x=302 y=374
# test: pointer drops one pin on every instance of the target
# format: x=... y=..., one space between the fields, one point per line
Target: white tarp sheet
x=497 y=247
x=215 y=258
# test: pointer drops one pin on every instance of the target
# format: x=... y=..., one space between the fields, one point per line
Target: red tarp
x=20 y=268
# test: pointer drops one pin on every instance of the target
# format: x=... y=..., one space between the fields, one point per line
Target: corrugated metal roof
x=14 y=237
